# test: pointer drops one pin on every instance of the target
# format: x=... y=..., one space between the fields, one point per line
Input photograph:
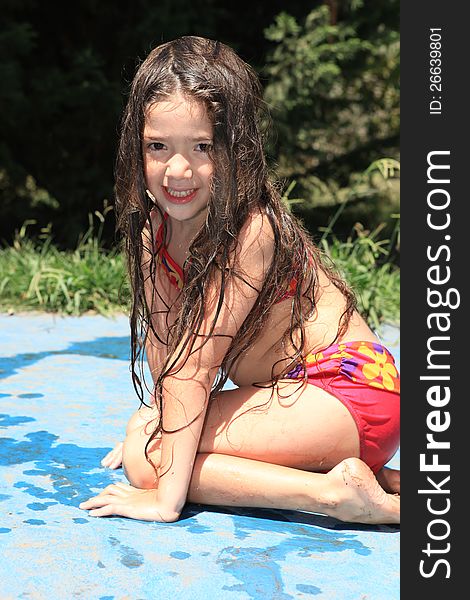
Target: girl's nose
x=178 y=167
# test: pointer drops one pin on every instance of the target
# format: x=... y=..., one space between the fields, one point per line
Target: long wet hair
x=212 y=74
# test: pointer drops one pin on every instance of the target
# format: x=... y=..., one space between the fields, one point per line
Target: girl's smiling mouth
x=179 y=196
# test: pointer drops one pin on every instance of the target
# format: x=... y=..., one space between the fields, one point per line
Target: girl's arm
x=186 y=393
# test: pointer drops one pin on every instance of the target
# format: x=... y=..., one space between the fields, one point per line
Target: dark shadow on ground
x=286 y=516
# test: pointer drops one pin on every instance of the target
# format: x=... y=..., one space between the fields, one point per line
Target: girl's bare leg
x=139 y=419
x=265 y=457
x=349 y=492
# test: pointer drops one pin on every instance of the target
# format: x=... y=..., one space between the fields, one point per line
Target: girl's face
x=178 y=170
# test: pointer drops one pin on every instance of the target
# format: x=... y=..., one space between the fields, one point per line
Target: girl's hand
x=113 y=460
x=124 y=500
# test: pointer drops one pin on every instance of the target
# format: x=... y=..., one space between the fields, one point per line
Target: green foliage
x=334 y=92
x=331 y=77
x=35 y=274
x=64 y=81
x=364 y=262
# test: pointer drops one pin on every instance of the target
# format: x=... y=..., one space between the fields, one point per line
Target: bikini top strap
x=172 y=269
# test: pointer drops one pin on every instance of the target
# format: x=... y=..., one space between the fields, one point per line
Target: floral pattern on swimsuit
x=369 y=363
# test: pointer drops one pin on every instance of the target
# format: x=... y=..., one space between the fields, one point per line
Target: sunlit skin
x=176 y=138
x=230 y=455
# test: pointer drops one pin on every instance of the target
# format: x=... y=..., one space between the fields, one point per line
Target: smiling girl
x=227 y=284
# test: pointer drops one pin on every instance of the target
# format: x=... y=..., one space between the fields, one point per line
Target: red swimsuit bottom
x=363 y=376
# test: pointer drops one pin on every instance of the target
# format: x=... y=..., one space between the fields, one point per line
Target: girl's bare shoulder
x=256 y=237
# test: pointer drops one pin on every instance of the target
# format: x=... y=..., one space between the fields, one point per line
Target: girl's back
x=270 y=354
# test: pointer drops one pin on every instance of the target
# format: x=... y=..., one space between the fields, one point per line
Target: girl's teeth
x=179 y=194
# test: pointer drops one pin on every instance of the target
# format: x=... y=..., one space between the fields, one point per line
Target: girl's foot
x=360 y=498
x=389 y=479
x=113 y=460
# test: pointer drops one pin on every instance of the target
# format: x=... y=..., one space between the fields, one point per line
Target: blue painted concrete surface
x=65 y=398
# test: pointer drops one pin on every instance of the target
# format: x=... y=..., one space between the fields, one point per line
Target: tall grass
x=365 y=261
x=36 y=275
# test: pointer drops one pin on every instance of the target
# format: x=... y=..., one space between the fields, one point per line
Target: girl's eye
x=204 y=147
x=156 y=146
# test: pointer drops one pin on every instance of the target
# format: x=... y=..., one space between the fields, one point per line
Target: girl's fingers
x=124 y=486
x=96 y=502
x=116 y=489
x=133 y=503
x=113 y=459
x=109 y=492
x=108 y=459
x=119 y=487
x=105 y=511
x=104 y=506
x=115 y=463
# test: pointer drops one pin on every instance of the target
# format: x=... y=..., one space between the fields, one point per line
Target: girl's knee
x=139 y=472
x=140 y=418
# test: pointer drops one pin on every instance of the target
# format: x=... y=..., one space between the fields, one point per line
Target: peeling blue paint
x=188 y=522
x=180 y=555
x=33 y=472
x=35 y=522
x=129 y=556
x=98 y=348
x=308 y=589
x=40 y=505
x=8 y=421
x=258 y=571
x=50 y=462
x=257 y=566
x=304 y=537
x=72 y=469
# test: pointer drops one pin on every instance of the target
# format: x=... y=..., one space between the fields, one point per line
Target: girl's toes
x=389 y=479
x=363 y=500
